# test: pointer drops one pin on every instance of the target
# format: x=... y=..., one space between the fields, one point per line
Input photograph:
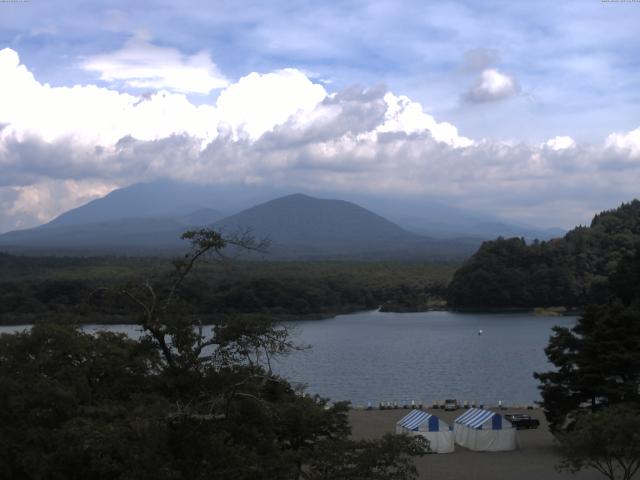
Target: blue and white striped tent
x=438 y=433
x=483 y=430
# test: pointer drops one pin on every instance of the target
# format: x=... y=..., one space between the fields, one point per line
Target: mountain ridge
x=169 y=198
x=300 y=227
x=151 y=216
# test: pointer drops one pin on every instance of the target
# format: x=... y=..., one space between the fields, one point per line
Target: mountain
x=167 y=198
x=131 y=235
x=435 y=219
x=475 y=227
x=127 y=235
x=299 y=227
x=160 y=199
x=569 y=271
x=299 y=218
x=149 y=217
x=201 y=217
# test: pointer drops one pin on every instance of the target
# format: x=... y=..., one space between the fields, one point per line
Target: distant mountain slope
x=168 y=198
x=142 y=200
x=129 y=235
x=299 y=226
x=569 y=271
x=303 y=219
x=152 y=216
x=137 y=236
x=435 y=219
x=303 y=226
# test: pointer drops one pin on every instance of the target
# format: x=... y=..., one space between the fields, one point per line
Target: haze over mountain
x=149 y=218
x=299 y=227
x=167 y=198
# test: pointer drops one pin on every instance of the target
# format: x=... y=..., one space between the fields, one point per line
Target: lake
x=375 y=356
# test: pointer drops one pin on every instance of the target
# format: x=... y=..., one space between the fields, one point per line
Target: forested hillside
x=35 y=289
x=569 y=271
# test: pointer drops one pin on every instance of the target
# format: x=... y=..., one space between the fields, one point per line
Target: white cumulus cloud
x=403 y=115
x=256 y=103
x=61 y=146
x=141 y=64
x=560 y=142
x=626 y=142
x=89 y=114
x=492 y=85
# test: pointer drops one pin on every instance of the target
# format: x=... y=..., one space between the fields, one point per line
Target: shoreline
x=99 y=319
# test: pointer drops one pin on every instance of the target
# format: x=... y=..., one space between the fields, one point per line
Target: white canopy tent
x=419 y=423
x=484 y=431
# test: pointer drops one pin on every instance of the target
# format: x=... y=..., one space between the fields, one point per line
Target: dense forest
x=35 y=289
x=569 y=271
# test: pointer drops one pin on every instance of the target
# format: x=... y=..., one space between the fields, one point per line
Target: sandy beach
x=534 y=459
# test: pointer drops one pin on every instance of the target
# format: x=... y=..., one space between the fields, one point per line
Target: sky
x=529 y=111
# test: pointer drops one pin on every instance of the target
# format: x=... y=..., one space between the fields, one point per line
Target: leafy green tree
x=70 y=398
x=183 y=402
x=598 y=360
x=390 y=458
x=607 y=441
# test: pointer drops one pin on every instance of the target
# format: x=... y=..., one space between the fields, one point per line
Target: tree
x=72 y=405
x=167 y=326
x=598 y=360
x=183 y=402
x=390 y=458
x=607 y=440
x=564 y=271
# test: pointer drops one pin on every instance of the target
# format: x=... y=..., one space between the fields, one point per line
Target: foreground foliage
x=607 y=441
x=182 y=402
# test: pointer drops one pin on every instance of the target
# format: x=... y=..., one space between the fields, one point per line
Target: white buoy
x=480 y=332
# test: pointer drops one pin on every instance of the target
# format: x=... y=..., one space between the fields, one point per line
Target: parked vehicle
x=522 y=421
x=451 y=404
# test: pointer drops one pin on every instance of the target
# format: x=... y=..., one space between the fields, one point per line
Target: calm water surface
x=374 y=356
